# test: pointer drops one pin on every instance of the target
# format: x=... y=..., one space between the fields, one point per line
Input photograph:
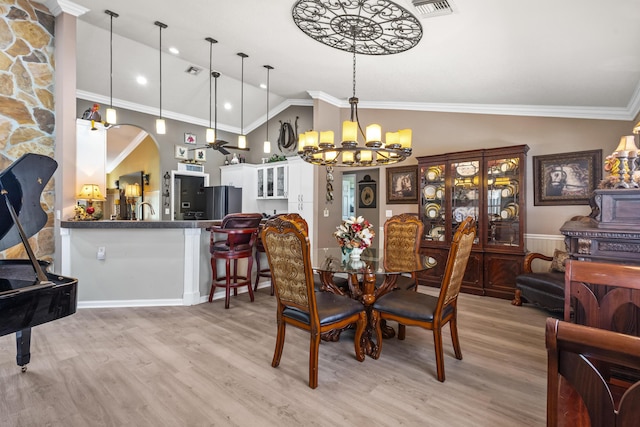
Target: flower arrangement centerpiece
x=354 y=235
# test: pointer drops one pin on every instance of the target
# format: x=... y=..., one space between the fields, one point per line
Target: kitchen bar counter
x=113 y=224
x=137 y=263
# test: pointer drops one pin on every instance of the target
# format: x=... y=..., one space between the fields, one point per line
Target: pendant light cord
x=111 y=15
x=111 y=63
x=160 y=51
x=269 y=68
x=215 y=75
x=210 y=71
x=160 y=26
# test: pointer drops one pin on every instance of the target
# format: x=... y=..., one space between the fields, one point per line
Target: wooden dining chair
x=410 y=308
x=240 y=231
x=573 y=355
x=298 y=304
x=402 y=234
x=603 y=295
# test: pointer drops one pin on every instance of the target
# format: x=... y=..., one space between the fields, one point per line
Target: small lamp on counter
x=132 y=192
x=627 y=153
x=91 y=193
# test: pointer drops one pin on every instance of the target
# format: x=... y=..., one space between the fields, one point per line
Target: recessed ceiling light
x=142 y=80
x=174 y=50
x=227 y=106
x=263 y=86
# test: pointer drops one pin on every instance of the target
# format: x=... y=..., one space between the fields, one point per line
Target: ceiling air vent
x=193 y=70
x=429 y=8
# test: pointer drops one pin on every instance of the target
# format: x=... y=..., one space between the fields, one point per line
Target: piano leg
x=23 y=344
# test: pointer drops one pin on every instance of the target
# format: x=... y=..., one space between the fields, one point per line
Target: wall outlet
x=102 y=253
x=167 y=211
x=388 y=213
x=326 y=212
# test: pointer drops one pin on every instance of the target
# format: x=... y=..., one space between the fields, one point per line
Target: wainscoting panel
x=544 y=244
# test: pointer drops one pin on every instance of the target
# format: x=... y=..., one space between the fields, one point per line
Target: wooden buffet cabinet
x=489 y=185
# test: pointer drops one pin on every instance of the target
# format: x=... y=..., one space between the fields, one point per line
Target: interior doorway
x=348 y=195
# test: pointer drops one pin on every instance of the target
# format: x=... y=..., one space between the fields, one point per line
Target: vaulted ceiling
x=570 y=58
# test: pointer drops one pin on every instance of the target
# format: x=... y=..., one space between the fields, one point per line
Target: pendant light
x=267 y=143
x=210 y=135
x=242 y=138
x=161 y=128
x=111 y=116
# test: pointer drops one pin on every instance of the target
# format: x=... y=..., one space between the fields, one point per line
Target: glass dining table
x=361 y=274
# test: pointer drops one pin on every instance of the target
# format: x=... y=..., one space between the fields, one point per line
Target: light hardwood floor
x=207 y=366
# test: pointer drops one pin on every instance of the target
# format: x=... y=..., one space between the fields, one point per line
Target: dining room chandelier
x=368 y=27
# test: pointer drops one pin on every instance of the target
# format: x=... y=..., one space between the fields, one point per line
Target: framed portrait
x=200 y=155
x=181 y=152
x=367 y=193
x=566 y=178
x=402 y=185
x=190 y=138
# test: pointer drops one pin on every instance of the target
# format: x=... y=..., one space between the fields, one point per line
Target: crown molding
x=596 y=113
x=153 y=111
x=56 y=7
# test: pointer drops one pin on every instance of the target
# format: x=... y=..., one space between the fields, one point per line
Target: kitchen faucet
x=140 y=210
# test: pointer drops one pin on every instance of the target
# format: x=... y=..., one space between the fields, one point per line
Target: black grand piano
x=29 y=294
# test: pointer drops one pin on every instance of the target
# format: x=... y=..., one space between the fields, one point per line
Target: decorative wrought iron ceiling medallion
x=367 y=27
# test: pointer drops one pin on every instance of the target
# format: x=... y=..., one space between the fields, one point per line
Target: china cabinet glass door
x=261 y=172
x=503 y=201
x=465 y=197
x=433 y=201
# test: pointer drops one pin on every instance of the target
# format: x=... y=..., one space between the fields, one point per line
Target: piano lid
x=22 y=183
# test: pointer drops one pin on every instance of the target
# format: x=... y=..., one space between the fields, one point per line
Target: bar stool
x=261 y=272
x=241 y=232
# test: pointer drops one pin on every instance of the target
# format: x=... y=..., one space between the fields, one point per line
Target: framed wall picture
x=566 y=178
x=190 y=138
x=367 y=193
x=402 y=185
x=200 y=155
x=181 y=152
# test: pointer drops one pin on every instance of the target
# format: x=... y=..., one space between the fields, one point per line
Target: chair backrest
x=598 y=290
x=287 y=246
x=457 y=262
x=573 y=354
x=241 y=220
x=402 y=234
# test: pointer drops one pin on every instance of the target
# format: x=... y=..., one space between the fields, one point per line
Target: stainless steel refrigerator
x=221 y=200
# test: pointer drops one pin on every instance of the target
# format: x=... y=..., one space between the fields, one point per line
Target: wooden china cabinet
x=489 y=185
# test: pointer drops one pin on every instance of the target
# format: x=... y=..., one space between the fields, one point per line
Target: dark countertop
x=114 y=224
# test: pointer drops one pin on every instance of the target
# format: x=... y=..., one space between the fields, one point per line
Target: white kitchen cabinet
x=272 y=181
x=301 y=191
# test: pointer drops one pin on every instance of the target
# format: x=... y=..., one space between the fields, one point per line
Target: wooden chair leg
x=357 y=339
x=227 y=290
x=277 y=354
x=257 y=256
x=437 y=343
x=250 y=264
x=314 y=348
x=214 y=276
x=402 y=330
x=235 y=276
x=453 y=325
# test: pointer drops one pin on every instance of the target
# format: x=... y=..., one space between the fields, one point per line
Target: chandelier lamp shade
x=367 y=27
x=161 y=127
x=111 y=115
x=267 y=143
x=242 y=138
x=210 y=134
